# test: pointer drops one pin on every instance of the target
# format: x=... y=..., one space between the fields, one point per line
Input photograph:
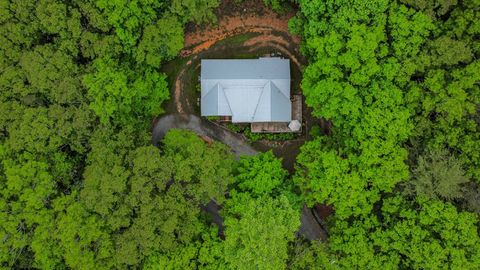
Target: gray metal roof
x=251 y=90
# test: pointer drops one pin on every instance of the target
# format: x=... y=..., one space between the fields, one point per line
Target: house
x=247 y=90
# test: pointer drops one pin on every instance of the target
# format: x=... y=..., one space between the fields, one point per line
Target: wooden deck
x=281 y=127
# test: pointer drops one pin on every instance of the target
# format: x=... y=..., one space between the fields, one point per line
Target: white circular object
x=295 y=125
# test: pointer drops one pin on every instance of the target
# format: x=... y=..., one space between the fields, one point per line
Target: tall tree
x=160 y=41
x=197 y=11
x=438 y=176
x=128 y=18
x=260 y=174
x=258 y=231
x=122 y=95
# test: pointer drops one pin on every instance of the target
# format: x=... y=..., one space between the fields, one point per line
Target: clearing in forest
x=246 y=31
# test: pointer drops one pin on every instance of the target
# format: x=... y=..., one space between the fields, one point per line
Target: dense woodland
x=81 y=186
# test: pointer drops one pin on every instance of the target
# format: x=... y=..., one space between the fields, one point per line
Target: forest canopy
x=399 y=81
x=82 y=186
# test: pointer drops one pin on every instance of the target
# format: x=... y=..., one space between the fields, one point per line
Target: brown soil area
x=277 y=42
x=254 y=18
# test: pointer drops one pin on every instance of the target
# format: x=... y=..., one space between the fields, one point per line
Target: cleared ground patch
x=247 y=33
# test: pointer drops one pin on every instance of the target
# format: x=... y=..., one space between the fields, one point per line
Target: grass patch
x=192 y=86
x=213 y=118
x=190 y=78
x=236 y=40
x=253 y=137
x=174 y=67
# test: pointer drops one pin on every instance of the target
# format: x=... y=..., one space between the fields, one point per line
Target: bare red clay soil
x=240 y=23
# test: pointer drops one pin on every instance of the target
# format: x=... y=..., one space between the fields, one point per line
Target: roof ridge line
x=258 y=101
x=225 y=96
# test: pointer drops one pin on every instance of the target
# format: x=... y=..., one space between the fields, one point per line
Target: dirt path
x=230 y=26
x=271 y=31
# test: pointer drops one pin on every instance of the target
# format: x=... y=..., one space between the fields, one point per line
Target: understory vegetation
x=81 y=186
x=253 y=137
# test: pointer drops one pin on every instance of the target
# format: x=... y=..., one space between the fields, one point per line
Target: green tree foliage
x=25 y=190
x=432 y=7
x=182 y=258
x=399 y=81
x=62 y=63
x=39 y=162
x=205 y=253
x=142 y=200
x=312 y=255
x=438 y=176
x=83 y=242
x=328 y=178
x=410 y=30
x=45 y=132
x=198 y=11
x=206 y=169
x=37 y=165
x=45 y=124
x=351 y=82
x=128 y=18
x=472 y=198
x=447 y=51
x=260 y=219
x=446 y=95
x=436 y=236
x=258 y=231
x=277 y=5
x=122 y=95
x=161 y=41
x=260 y=174
x=445 y=111
x=52 y=74
x=356 y=81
